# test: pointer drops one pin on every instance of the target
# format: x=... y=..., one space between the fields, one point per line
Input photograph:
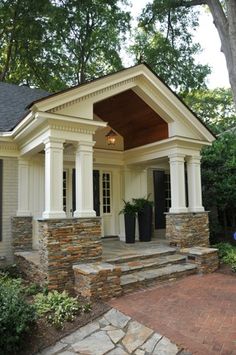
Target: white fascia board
x=173 y=100
x=162 y=149
x=87 y=89
x=71 y=119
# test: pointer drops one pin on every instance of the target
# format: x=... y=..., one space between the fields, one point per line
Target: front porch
x=122 y=268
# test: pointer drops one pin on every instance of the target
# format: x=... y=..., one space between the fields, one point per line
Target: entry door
x=159 y=198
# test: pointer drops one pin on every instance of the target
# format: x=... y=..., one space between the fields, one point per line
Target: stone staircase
x=146 y=269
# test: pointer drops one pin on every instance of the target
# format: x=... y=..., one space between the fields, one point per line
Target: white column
x=53 y=178
x=23 y=188
x=84 y=180
x=177 y=181
x=194 y=184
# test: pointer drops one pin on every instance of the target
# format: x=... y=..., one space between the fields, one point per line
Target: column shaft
x=84 y=180
x=23 y=188
x=177 y=178
x=194 y=184
x=53 y=179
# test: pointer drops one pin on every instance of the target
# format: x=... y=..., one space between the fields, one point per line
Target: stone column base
x=65 y=242
x=206 y=259
x=186 y=230
x=22 y=233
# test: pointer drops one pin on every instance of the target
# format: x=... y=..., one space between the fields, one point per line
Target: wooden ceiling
x=132 y=118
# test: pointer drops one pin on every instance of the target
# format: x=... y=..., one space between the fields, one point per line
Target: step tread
x=139 y=276
x=142 y=254
x=156 y=262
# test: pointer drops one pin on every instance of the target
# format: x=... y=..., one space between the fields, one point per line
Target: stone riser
x=138 y=257
x=153 y=265
x=131 y=287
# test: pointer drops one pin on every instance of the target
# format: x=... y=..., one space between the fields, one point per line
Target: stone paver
x=197 y=313
x=113 y=334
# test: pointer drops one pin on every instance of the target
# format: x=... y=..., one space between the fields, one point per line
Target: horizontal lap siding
x=9 y=198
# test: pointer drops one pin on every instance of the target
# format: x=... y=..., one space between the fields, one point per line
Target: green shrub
x=58 y=307
x=16 y=315
x=227 y=254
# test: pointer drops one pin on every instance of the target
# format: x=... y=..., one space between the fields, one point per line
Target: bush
x=227 y=254
x=58 y=307
x=16 y=315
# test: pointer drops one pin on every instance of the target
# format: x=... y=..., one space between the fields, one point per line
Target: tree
x=219 y=180
x=215 y=107
x=52 y=44
x=224 y=16
x=175 y=64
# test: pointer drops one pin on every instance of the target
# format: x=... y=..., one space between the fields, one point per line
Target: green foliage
x=129 y=208
x=215 y=107
x=227 y=254
x=58 y=307
x=140 y=203
x=219 y=179
x=16 y=315
x=53 y=44
x=164 y=39
x=32 y=289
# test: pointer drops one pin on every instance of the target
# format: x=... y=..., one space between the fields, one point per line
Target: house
x=57 y=168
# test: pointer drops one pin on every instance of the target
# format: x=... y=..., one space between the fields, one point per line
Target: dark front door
x=159 y=199
x=96 y=192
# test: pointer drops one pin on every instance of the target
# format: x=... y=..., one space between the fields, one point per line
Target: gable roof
x=14 y=100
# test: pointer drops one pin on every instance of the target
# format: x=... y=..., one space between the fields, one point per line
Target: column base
x=23 y=214
x=84 y=214
x=54 y=214
x=187 y=230
x=179 y=210
x=196 y=209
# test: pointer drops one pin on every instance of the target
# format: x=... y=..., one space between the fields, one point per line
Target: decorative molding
x=72 y=129
x=8 y=146
x=93 y=94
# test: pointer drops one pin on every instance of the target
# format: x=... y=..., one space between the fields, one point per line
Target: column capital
x=53 y=142
x=85 y=146
x=194 y=159
x=178 y=157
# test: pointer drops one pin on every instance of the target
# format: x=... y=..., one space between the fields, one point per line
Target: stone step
x=140 y=279
x=151 y=263
x=141 y=255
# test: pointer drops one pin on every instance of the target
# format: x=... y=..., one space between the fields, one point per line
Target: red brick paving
x=197 y=312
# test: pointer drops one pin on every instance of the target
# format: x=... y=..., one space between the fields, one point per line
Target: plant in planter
x=129 y=210
x=144 y=209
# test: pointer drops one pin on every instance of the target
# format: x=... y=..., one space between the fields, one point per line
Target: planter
x=145 y=223
x=129 y=228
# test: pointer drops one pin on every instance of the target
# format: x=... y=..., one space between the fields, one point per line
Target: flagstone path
x=113 y=334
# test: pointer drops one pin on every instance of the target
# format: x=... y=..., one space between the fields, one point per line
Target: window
x=106 y=192
x=64 y=190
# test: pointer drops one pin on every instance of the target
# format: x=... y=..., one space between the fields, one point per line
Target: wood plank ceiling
x=132 y=118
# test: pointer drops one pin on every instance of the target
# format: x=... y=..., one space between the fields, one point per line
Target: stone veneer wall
x=22 y=233
x=97 y=280
x=64 y=242
x=206 y=259
x=187 y=229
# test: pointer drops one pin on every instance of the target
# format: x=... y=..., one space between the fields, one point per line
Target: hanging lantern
x=111 y=137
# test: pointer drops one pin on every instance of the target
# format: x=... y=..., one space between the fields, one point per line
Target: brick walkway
x=197 y=313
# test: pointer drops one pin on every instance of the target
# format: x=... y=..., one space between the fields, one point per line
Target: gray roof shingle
x=14 y=100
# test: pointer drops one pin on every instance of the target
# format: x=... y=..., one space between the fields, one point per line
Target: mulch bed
x=226 y=269
x=43 y=334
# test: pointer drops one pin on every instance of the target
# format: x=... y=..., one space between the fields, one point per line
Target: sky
x=209 y=40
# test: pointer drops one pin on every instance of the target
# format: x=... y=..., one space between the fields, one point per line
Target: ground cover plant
x=32 y=318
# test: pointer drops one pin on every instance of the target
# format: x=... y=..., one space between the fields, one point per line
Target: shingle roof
x=14 y=100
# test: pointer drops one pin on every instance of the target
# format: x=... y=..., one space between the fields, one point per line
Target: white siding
x=10 y=171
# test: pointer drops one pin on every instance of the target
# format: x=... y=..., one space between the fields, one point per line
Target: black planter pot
x=129 y=228
x=145 y=224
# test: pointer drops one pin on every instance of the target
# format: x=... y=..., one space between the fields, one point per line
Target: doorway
x=162 y=197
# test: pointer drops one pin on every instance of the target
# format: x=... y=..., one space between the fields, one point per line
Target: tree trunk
x=226 y=27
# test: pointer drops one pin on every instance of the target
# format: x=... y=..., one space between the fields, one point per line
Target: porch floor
x=114 y=249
